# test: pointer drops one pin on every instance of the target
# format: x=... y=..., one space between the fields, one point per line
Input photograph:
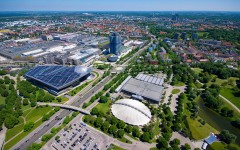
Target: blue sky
x=120 y=5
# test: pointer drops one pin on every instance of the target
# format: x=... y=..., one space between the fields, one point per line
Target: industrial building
x=131 y=111
x=56 y=78
x=83 y=57
x=143 y=87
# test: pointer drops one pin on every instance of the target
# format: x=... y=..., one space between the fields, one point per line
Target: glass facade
x=115 y=43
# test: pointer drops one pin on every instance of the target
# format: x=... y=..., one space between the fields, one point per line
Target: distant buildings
x=115 y=43
x=175 y=17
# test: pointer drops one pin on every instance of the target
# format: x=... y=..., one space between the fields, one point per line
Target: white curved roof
x=131 y=111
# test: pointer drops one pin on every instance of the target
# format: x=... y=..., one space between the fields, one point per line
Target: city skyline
x=124 y=5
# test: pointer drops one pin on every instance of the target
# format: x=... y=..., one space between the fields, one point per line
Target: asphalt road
x=78 y=100
x=24 y=144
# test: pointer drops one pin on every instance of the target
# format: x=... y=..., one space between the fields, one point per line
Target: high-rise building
x=195 y=36
x=183 y=35
x=175 y=17
x=115 y=43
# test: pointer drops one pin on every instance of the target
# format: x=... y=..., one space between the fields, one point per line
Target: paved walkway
x=234 y=106
x=183 y=140
x=2 y=136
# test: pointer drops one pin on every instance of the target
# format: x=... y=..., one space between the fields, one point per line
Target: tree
x=94 y=111
x=162 y=143
x=112 y=129
x=175 y=142
x=103 y=99
x=121 y=124
x=98 y=122
x=128 y=129
x=57 y=137
x=236 y=123
x=59 y=99
x=11 y=121
x=227 y=137
x=3 y=72
x=145 y=137
x=120 y=133
x=28 y=126
x=136 y=132
x=25 y=102
x=33 y=103
x=114 y=121
x=186 y=147
x=4 y=93
x=226 y=112
x=105 y=126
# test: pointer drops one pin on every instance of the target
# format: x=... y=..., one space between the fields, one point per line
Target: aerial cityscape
x=120 y=75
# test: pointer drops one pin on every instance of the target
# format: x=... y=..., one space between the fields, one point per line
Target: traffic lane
x=39 y=134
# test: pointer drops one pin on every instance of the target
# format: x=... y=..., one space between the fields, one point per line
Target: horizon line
x=119 y=10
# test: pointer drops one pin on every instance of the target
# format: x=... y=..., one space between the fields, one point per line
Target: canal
x=216 y=121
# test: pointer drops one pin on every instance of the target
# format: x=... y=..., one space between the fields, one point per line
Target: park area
x=29 y=115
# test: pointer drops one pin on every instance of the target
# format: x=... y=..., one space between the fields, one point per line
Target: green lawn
x=26 y=112
x=104 y=107
x=37 y=113
x=198 y=130
x=124 y=140
x=24 y=108
x=20 y=137
x=12 y=132
x=231 y=96
x=179 y=84
x=2 y=100
x=217 y=146
x=236 y=113
x=221 y=82
x=175 y=91
x=197 y=70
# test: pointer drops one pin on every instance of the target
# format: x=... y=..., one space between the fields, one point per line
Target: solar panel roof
x=57 y=77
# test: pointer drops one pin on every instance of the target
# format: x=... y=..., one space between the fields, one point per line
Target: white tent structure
x=131 y=111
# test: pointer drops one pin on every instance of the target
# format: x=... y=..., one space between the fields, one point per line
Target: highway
x=23 y=144
x=77 y=101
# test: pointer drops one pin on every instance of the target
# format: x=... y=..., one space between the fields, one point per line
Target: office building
x=115 y=43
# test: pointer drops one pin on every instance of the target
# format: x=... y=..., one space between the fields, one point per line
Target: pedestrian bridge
x=65 y=106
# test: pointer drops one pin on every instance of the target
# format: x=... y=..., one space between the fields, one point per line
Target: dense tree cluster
x=227 y=137
x=226 y=35
x=211 y=97
x=218 y=69
x=183 y=73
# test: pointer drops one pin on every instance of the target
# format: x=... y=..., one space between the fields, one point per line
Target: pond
x=218 y=122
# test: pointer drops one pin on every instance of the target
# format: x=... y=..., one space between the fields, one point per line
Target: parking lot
x=77 y=137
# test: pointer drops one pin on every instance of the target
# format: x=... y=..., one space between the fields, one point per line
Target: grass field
x=12 y=132
x=20 y=137
x=179 y=84
x=198 y=130
x=37 y=113
x=217 y=146
x=231 y=96
x=103 y=107
x=33 y=115
x=221 y=82
x=2 y=100
x=197 y=70
x=175 y=91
